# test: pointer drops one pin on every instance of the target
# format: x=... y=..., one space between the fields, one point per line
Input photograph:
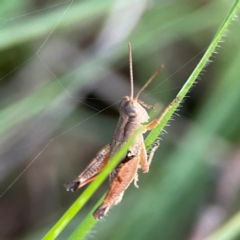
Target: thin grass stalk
x=89 y=222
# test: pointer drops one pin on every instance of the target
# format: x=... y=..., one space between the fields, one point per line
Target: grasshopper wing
x=91 y=171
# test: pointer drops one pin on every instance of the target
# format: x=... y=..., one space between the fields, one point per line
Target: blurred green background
x=63 y=70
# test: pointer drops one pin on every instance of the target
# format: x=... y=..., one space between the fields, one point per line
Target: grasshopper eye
x=131 y=111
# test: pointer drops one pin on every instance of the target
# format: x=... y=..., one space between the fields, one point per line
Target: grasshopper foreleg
x=152 y=151
x=146 y=160
x=156 y=121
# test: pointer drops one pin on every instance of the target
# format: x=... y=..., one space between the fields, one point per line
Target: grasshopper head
x=130 y=108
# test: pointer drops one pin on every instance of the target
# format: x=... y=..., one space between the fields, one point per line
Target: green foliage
x=67 y=57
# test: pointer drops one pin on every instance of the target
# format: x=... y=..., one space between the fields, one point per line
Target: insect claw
x=135 y=181
x=136 y=185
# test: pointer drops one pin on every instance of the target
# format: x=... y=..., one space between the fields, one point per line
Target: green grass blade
x=25 y=30
x=189 y=83
x=87 y=224
x=79 y=203
x=90 y=190
x=229 y=231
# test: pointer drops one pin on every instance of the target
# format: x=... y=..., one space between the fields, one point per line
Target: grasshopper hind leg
x=124 y=175
x=102 y=210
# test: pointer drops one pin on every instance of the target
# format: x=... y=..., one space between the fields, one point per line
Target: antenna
x=131 y=70
x=149 y=81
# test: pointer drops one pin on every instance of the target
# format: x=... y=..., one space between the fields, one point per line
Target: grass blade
x=79 y=203
x=228 y=231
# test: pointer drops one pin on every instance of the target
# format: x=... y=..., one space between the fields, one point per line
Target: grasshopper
x=133 y=115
